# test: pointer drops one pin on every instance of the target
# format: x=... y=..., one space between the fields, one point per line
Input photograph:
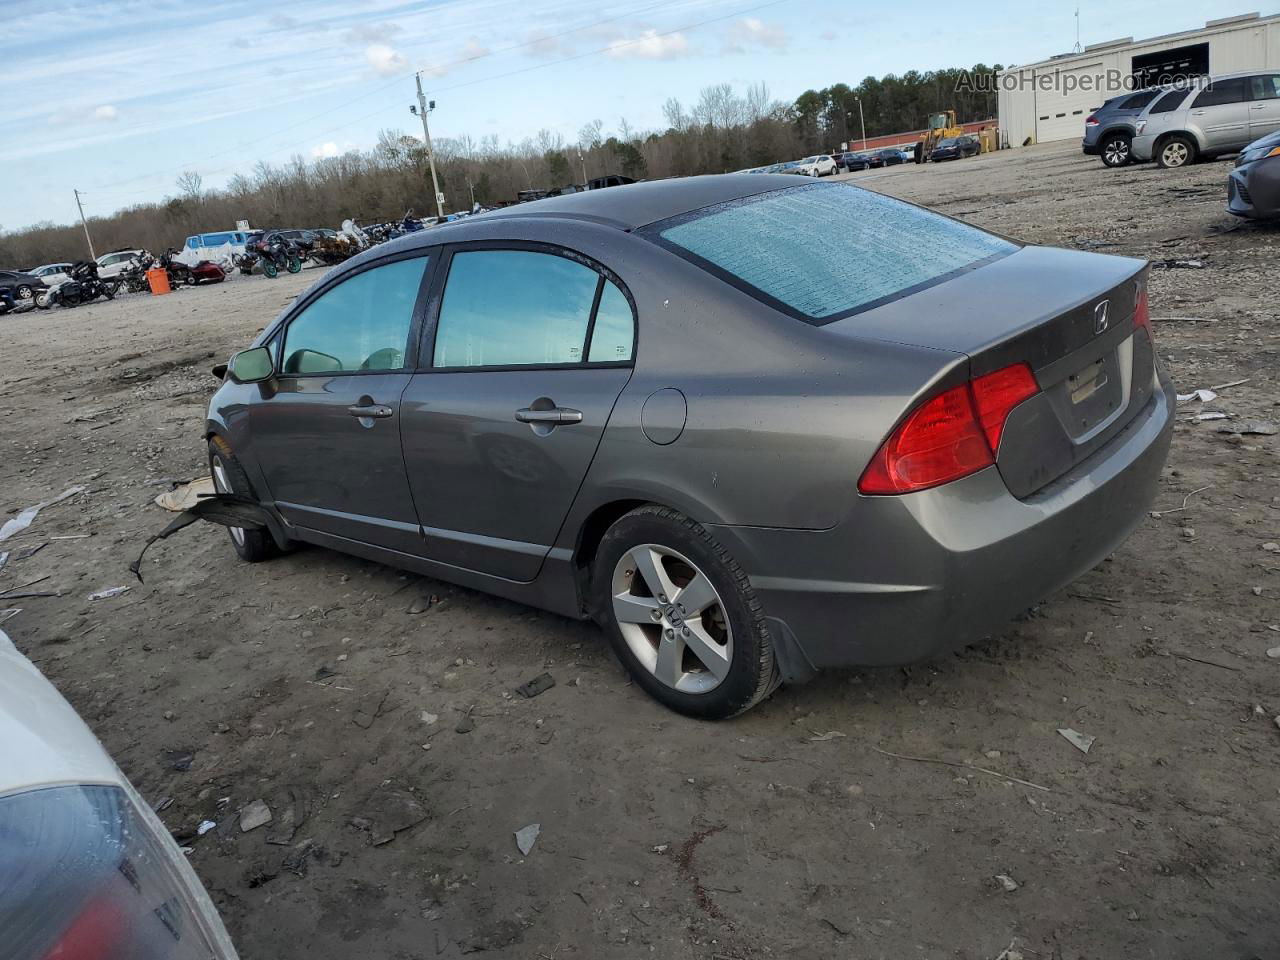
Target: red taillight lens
x=1142 y=314
x=996 y=394
x=948 y=436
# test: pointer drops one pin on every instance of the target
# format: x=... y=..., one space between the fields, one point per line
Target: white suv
x=1210 y=117
x=86 y=868
x=819 y=166
x=116 y=263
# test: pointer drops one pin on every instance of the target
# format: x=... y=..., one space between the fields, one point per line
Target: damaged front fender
x=226 y=509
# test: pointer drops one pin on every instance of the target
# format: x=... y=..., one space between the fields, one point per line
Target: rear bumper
x=1253 y=191
x=907 y=578
x=1091 y=149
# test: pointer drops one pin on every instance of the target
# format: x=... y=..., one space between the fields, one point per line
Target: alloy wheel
x=672 y=618
x=1117 y=153
x=223 y=485
x=1175 y=154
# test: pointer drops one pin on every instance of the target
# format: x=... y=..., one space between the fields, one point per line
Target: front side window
x=1266 y=87
x=823 y=250
x=1169 y=102
x=361 y=324
x=514 y=308
x=1220 y=92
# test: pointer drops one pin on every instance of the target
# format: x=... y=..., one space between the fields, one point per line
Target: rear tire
x=23 y=292
x=295 y=264
x=252 y=546
x=269 y=269
x=1176 y=151
x=711 y=660
x=1114 y=149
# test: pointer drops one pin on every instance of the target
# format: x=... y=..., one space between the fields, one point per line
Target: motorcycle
x=278 y=253
x=83 y=285
x=134 y=277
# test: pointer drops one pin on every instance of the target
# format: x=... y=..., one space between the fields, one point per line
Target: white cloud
x=326 y=149
x=474 y=50
x=106 y=112
x=752 y=32
x=384 y=59
x=381 y=32
x=650 y=45
x=544 y=46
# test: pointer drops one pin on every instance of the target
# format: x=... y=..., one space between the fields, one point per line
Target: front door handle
x=374 y=411
x=555 y=416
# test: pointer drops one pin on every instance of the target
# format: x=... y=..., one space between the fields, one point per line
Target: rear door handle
x=556 y=415
x=374 y=411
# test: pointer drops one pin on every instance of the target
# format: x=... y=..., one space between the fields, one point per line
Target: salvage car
x=1253 y=189
x=1212 y=117
x=21 y=285
x=754 y=426
x=819 y=166
x=955 y=148
x=86 y=868
x=1109 y=130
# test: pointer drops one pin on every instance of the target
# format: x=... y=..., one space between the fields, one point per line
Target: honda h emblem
x=1101 y=316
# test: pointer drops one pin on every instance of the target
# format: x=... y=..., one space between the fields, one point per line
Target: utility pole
x=423 y=108
x=584 y=165
x=88 y=239
x=862 y=123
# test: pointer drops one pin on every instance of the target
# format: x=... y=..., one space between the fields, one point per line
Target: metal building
x=1050 y=100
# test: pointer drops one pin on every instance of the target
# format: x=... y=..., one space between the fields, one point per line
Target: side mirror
x=251 y=366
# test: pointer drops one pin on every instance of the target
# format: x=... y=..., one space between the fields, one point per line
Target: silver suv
x=1208 y=117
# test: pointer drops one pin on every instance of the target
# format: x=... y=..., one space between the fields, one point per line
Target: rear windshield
x=824 y=251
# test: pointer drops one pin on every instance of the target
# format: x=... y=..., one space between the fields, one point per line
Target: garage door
x=1061 y=110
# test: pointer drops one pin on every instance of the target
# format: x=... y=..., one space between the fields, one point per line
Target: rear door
x=530 y=347
x=326 y=429
x=1264 y=110
x=1222 y=115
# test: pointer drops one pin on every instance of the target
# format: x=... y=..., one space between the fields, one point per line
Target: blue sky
x=118 y=97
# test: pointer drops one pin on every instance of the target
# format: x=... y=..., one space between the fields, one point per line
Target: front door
x=529 y=353
x=1264 y=110
x=1221 y=113
x=326 y=430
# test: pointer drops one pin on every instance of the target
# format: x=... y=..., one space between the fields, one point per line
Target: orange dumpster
x=158 y=280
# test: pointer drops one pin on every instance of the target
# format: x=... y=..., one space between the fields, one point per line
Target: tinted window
x=1139 y=100
x=1220 y=92
x=361 y=324
x=614 y=332
x=1266 y=87
x=514 y=307
x=1169 y=102
x=823 y=250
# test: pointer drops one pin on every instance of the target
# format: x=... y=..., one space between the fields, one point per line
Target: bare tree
x=673 y=110
x=591 y=135
x=190 y=185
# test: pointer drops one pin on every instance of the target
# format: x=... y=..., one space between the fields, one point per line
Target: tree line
x=721 y=131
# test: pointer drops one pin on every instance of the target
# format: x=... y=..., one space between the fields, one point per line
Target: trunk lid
x=1067 y=314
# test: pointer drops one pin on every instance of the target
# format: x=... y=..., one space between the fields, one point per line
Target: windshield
x=823 y=250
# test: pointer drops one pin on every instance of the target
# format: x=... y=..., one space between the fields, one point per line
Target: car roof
x=635 y=205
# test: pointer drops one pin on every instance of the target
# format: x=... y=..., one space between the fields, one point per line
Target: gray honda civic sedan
x=755 y=426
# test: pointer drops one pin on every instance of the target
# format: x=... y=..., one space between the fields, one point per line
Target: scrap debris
x=109 y=593
x=226 y=509
x=1081 y=741
x=539 y=684
x=526 y=837
x=186 y=495
x=25 y=517
x=253 y=815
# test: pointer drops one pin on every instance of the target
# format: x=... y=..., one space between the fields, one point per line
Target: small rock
x=1189 y=533
x=1007 y=882
x=253 y=815
x=1271 y=547
x=342 y=658
x=1133 y=915
x=1257 y=591
x=526 y=837
x=429 y=718
x=1274 y=653
x=992 y=754
x=662 y=848
x=170 y=715
x=465 y=725
x=1277 y=722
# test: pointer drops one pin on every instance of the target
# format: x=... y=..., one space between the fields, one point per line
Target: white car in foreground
x=819 y=166
x=87 y=870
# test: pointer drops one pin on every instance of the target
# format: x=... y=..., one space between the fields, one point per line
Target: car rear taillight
x=1142 y=314
x=1091 y=120
x=949 y=436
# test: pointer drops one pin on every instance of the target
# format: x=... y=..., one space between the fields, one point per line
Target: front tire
x=252 y=546
x=269 y=269
x=1177 y=151
x=23 y=292
x=295 y=264
x=682 y=616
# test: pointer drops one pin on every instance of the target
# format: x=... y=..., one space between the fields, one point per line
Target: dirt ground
x=793 y=831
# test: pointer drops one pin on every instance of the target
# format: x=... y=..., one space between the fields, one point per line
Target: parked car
x=86 y=868
x=537 y=417
x=1253 y=189
x=51 y=273
x=21 y=285
x=1110 y=129
x=858 y=161
x=819 y=166
x=890 y=156
x=955 y=148
x=1215 y=116
x=116 y=262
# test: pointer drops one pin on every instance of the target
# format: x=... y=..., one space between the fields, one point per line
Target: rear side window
x=360 y=325
x=514 y=308
x=1221 y=92
x=614 y=332
x=823 y=251
x=1139 y=100
x=1169 y=102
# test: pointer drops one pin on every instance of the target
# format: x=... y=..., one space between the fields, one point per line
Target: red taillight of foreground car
x=1142 y=314
x=949 y=436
